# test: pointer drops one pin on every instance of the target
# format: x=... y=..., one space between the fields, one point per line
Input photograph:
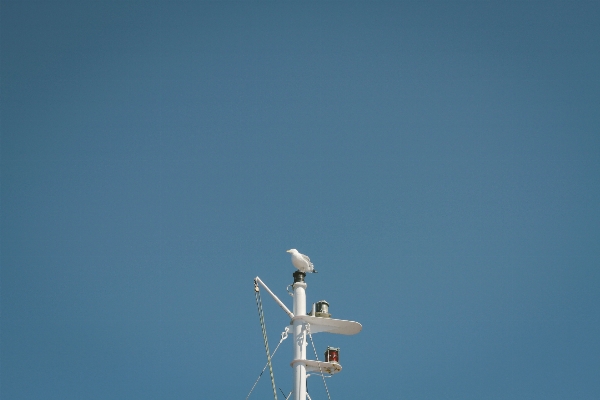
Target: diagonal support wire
x=317 y=358
x=264 y=332
x=284 y=335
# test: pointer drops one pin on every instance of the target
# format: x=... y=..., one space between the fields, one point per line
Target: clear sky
x=438 y=161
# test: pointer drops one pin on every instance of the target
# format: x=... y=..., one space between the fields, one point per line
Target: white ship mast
x=303 y=326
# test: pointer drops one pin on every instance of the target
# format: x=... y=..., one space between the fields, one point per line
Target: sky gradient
x=439 y=161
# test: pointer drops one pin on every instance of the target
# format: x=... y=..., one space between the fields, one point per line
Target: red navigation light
x=332 y=354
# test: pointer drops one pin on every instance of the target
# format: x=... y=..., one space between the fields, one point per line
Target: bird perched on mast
x=301 y=262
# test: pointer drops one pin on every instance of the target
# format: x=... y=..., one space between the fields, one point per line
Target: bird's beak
x=288 y=251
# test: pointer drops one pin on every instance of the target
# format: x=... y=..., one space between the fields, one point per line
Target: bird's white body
x=301 y=262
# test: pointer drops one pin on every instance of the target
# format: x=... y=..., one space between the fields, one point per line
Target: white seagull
x=301 y=261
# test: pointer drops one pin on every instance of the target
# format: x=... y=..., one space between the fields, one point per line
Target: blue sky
x=439 y=162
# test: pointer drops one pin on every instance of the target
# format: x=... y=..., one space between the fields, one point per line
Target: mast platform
x=331 y=325
x=319 y=366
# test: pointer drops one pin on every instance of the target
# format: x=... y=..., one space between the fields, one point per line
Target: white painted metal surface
x=319 y=366
x=301 y=325
x=339 y=326
x=287 y=311
x=300 y=341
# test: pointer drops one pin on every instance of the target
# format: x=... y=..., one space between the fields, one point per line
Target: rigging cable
x=284 y=335
x=284 y=396
x=317 y=358
x=264 y=332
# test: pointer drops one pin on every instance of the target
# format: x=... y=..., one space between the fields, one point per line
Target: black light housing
x=322 y=309
x=299 y=276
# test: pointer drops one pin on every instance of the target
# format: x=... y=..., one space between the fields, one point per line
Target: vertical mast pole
x=300 y=341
